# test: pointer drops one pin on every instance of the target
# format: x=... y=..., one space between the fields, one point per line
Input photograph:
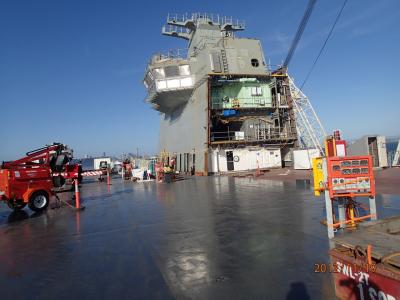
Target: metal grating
x=311 y=133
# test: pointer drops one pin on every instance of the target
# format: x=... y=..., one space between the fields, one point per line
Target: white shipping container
x=97 y=161
x=303 y=158
x=246 y=159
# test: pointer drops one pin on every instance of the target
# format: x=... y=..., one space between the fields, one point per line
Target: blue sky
x=70 y=71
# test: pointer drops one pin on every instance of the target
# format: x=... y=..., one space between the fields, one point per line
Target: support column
x=329 y=217
x=328 y=203
x=77 y=195
x=372 y=208
x=205 y=173
x=342 y=212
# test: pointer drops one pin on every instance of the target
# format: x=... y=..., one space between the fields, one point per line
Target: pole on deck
x=108 y=177
x=328 y=204
x=77 y=195
x=372 y=208
x=342 y=212
x=329 y=216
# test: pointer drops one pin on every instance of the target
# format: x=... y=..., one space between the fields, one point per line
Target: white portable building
x=302 y=159
x=226 y=160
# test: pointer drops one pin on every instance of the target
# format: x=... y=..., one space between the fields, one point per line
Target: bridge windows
x=171 y=71
x=173 y=77
x=184 y=70
x=159 y=73
x=148 y=79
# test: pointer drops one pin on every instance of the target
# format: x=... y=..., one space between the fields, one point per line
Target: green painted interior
x=242 y=92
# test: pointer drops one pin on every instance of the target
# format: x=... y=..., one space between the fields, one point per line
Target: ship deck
x=382 y=235
x=218 y=237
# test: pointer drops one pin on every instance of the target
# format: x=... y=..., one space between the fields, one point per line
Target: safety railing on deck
x=170 y=54
x=194 y=17
x=242 y=103
x=239 y=136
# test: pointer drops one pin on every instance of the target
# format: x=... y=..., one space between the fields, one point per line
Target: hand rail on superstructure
x=262 y=134
x=180 y=53
x=216 y=19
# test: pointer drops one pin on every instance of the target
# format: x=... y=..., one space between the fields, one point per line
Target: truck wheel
x=16 y=204
x=38 y=201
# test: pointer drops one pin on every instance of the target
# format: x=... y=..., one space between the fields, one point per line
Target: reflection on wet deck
x=202 y=238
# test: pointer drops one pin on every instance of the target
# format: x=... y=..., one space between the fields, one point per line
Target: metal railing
x=214 y=18
x=242 y=103
x=170 y=54
x=262 y=135
x=174 y=28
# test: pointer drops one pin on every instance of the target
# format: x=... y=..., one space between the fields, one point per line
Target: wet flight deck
x=200 y=238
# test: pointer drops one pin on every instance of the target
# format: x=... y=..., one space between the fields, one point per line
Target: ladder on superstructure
x=311 y=133
x=224 y=61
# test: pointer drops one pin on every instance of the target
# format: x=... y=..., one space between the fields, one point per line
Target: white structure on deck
x=225 y=160
x=97 y=161
x=302 y=159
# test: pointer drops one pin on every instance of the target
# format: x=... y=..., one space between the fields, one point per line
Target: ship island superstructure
x=221 y=107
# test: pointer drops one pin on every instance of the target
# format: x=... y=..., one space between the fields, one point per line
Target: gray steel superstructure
x=221 y=108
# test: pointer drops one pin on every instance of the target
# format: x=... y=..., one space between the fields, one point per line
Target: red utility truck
x=36 y=177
